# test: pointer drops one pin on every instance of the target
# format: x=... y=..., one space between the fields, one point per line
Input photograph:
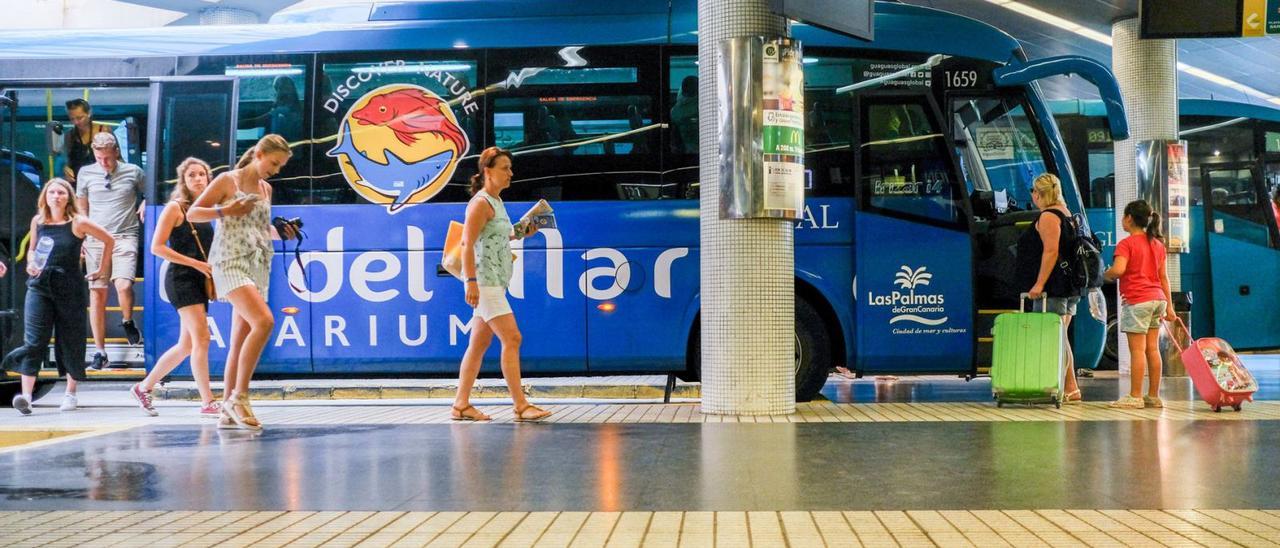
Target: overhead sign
x=1253 y=22
x=849 y=17
x=1165 y=19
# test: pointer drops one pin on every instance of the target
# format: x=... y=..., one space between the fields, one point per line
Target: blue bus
x=1233 y=268
x=912 y=184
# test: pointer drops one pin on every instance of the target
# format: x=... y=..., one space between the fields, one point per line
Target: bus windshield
x=1000 y=150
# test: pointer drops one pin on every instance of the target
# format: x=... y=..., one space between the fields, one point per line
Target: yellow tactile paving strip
x=813 y=412
x=728 y=529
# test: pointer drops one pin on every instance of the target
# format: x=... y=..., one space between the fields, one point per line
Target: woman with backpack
x=1144 y=289
x=1036 y=269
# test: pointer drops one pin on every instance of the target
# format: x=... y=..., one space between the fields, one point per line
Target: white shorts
x=493 y=303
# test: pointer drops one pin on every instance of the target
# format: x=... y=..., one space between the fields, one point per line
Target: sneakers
x=1127 y=402
x=1155 y=402
x=211 y=411
x=131 y=332
x=22 y=404
x=99 y=361
x=144 y=399
x=69 y=402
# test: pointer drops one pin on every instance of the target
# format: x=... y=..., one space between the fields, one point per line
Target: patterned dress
x=493 y=248
x=241 y=251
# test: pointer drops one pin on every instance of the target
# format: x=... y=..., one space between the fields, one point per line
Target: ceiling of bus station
x=1248 y=62
x=1231 y=69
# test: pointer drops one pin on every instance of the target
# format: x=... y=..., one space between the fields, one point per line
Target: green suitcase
x=1026 y=365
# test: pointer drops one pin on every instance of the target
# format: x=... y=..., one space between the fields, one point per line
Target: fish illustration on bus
x=399 y=145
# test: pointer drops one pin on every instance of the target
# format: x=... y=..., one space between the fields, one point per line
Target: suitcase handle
x=1173 y=337
x=1022 y=301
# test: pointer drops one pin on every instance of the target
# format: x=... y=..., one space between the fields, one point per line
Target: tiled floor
x=1212 y=528
x=121 y=413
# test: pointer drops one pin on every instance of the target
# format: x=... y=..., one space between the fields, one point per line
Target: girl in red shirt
x=1144 y=288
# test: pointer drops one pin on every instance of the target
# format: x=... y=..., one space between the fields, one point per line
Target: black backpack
x=1080 y=263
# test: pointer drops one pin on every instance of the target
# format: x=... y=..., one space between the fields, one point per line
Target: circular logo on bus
x=399 y=145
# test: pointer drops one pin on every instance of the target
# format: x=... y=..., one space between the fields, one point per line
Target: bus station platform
x=903 y=462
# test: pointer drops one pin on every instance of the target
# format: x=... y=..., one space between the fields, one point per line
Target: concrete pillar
x=748 y=288
x=1147 y=71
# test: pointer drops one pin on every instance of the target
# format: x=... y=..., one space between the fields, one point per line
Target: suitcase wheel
x=1236 y=407
x=999 y=403
x=1217 y=409
x=1057 y=404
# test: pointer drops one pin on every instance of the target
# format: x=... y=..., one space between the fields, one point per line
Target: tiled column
x=748 y=291
x=1147 y=71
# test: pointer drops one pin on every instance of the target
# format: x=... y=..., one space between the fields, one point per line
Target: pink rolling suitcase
x=1217 y=373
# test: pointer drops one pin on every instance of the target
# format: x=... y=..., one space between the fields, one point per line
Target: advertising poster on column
x=783 y=86
x=1179 y=212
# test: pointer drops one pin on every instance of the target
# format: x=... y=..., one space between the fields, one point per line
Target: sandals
x=538 y=413
x=461 y=414
x=237 y=410
x=1072 y=398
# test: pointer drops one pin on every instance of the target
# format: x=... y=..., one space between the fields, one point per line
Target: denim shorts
x=1062 y=306
x=1141 y=317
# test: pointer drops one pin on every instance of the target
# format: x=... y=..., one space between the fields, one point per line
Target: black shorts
x=185 y=289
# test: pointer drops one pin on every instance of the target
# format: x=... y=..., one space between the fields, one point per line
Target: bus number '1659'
x=962 y=78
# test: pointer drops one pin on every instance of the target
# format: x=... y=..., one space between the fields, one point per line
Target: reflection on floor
x=657 y=467
x=1104 y=386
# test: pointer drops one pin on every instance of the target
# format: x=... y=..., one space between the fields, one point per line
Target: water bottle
x=43 y=247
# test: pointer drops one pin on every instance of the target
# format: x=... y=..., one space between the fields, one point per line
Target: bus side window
x=680 y=140
x=828 y=132
x=272 y=100
x=905 y=167
x=581 y=132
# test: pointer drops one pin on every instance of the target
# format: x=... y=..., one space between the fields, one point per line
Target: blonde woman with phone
x=240 y=200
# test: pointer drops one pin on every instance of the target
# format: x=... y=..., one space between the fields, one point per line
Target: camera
x=280 y=223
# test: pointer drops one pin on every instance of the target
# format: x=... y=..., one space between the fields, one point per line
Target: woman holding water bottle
x=57 y=292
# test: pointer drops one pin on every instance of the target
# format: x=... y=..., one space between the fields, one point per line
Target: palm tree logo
x=908 y=279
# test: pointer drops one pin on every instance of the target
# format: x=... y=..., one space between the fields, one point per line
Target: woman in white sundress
x=240 y=200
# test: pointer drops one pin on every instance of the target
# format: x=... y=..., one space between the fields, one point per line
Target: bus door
x=913 y=284
x=196 y=117
x=1244 y=258
x=1000 y=156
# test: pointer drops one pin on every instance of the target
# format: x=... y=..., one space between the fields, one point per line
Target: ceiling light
x=1101 y=38
x=265 y=71
x=412 y=68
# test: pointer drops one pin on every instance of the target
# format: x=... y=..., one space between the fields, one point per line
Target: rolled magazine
x=540 y=216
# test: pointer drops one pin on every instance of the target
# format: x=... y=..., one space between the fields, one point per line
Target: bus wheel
x=813 y=351
x=812 y=358
x=1111 y=346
